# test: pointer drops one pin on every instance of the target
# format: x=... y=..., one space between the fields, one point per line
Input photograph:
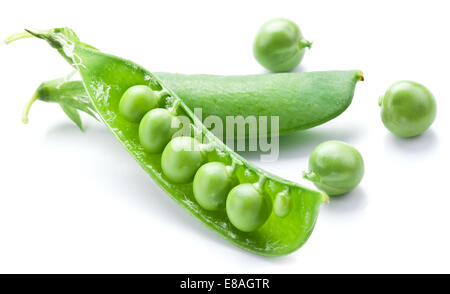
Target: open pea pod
x=293 y=208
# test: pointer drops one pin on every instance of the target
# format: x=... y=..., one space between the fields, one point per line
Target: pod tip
x=360 y=76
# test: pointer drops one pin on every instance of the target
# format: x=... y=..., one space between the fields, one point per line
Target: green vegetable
x=279 y=45
x=247 y=207
x=156 y=129
x=137 y=101
x=300 y=100
x=407 y=109
x=211 y=185
x=181 y=159
x=335 y=167
x=106 y=78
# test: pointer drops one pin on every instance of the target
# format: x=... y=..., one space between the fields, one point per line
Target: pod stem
x=27 y=108
x=162 y=94
x=260 y=183
x=311 y=176
x=17 y=36
x=304 y=44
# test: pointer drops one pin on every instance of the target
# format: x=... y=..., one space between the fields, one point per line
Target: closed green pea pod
x=299 y=100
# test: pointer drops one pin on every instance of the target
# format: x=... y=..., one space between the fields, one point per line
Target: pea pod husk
x=106 y=77
x=300 y=100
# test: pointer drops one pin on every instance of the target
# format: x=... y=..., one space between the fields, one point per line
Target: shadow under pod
x=298 y=69
x=300 y=144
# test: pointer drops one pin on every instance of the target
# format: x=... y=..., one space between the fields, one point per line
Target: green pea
x=282 y=204
x=211 y=185
x=181 y=159
x=407 y=108
x=156 y=129
x=279 y=45
x=247 y=208
x=137 y=101
x=335 y=167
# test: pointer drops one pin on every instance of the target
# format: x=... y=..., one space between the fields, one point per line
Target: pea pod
x=300 y=100
x=106 y=78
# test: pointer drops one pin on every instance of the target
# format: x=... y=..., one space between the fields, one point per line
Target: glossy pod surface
x=268 y=233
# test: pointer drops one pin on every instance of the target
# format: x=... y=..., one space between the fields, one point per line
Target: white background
x=73 y=202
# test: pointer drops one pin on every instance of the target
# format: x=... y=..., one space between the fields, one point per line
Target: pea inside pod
x=137 y=101
x=247 y=207
x=181 y=159
x=211 y=185
x=156 y=129
x=282 y=204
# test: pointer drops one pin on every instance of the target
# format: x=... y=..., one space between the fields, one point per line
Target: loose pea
x=156 y=129
x=335 y=167
x=181 y=159
x=246 y=208
x=279 y=45
x=137 y=101
x=407 y=109
x=211 y=185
